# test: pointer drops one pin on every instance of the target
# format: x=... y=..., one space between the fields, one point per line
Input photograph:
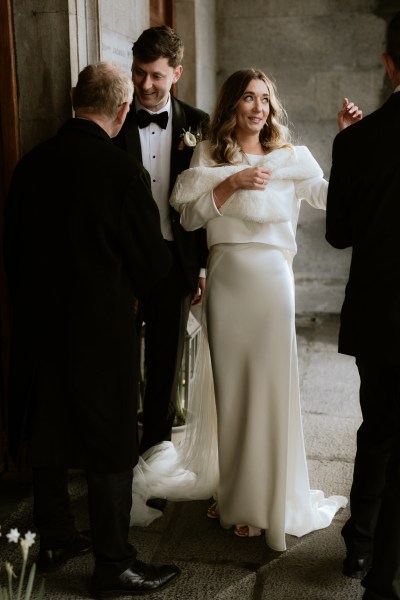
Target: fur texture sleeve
x=272 y=205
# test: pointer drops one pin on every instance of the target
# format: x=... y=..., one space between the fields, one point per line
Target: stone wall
x=120 y=25
x=196 y=23
x=318 y=51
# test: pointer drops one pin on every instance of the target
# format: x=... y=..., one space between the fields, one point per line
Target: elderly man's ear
x=122 y=112
x=389 y=66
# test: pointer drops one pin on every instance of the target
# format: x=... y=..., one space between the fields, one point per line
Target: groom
x=153 y=133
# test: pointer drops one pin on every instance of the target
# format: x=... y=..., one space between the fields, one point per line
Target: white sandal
x=247 y=531
x=212 y=511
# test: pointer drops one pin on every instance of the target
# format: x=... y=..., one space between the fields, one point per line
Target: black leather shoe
x=140 y=578
x=157 y=503
x=51 y=560
x=356 y=567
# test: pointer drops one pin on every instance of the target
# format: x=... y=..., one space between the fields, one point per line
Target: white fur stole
x=272 y=205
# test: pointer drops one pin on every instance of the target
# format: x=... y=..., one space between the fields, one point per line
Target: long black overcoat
x=363 y=211
x=83 y=241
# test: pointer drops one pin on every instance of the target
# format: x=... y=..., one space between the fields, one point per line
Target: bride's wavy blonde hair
x=275 y=133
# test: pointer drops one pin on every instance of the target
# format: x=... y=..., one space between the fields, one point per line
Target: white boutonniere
x=189 y=139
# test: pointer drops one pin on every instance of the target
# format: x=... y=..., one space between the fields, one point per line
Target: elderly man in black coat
x=83 y=244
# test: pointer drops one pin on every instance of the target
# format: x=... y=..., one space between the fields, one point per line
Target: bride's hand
x=349 y=114
x=253 y=178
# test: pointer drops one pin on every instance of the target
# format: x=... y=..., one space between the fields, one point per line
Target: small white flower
x=30 y=538
x=26 y=543
x=13 y=536
x=189 y=139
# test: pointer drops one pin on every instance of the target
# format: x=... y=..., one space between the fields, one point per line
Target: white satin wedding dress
x=245 y=445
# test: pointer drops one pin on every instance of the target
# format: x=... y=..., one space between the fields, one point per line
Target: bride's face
x=253 y=108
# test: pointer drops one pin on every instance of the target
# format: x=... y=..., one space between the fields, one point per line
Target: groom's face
x=153 y=82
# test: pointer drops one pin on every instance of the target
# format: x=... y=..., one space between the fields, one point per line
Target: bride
x=245 y=444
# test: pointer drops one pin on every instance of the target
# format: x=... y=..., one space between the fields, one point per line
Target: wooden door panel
x=9 y=154
x=161 y=13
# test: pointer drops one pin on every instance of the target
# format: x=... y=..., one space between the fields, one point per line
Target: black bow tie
x=144 y=119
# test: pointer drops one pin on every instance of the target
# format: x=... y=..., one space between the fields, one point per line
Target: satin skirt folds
x=250 y=313
x=252 y=456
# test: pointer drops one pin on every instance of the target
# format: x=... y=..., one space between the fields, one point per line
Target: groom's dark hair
x=159 y=42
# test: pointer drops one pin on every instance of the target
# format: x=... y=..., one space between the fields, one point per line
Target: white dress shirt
x=155 y=143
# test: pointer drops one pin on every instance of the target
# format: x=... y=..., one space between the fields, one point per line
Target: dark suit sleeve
x=147 y=258
x=339 y=210
x=12 y=243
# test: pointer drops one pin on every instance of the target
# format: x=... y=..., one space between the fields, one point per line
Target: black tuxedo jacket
x=191 y=246
x=363 y=211
x=83 y=240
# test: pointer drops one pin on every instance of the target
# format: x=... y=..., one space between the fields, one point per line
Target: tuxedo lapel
x=178 y=158
x=132 y=139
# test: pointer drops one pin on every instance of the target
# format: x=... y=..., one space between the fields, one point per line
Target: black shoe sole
x=157 y=503
x=355 y=574
x=124 y=592
x=52 y=567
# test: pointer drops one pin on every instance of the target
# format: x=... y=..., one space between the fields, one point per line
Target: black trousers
x=374 y=524
x=165 y=313
x=109 y=504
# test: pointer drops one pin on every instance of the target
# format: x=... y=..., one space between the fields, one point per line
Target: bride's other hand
x=349 y=114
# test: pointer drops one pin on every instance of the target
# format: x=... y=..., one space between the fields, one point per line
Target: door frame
x=9 y=155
